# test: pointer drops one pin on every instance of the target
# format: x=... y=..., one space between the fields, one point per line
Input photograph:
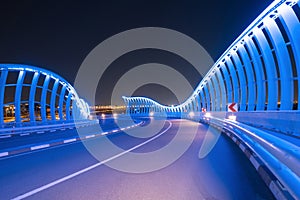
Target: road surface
x=71 y=172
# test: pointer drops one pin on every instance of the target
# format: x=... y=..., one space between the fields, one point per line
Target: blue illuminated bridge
x=236 y=137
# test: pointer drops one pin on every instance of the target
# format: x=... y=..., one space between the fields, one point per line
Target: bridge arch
x=35 y=95
x=259 y=71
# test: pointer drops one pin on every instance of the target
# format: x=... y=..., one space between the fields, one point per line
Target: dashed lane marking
x=70 y=140
x=39 y=147
x=3 y=154
x=5 y=136
x=89 y=136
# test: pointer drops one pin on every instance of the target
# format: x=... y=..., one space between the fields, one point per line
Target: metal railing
x=8 y=132
x=281 y=157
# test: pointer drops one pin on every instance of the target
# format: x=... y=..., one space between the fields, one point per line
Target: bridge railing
x=9 y=132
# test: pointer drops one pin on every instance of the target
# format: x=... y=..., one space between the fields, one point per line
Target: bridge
x=236 y=137
x=37 y=96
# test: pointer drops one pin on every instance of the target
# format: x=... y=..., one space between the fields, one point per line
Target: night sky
x=59 y=35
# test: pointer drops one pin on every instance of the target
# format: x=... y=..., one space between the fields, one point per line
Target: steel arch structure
x=259 y=71
x=36 y=95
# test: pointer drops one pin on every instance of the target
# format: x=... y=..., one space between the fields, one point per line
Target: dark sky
x=57 y=35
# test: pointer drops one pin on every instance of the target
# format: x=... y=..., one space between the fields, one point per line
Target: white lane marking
x=53 y=130
x=39 y=146
x=114 y=131
x=5 y=136
x=3 y=154
x=104 y=133
x=44 y=187
x=70 y=140
x=62 y=129
x=38 y=150
x=89 y=136
x=39 y=132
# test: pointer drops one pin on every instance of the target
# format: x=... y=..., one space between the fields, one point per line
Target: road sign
x=232 y=107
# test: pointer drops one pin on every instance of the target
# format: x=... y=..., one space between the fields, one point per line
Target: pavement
x=69 y=171
x=43 y=137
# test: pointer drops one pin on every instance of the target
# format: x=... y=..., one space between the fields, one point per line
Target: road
x=71 y=172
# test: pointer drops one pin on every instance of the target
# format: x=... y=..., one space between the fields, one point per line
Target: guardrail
x=279 y=156
x=8 y=132
x=62 y=141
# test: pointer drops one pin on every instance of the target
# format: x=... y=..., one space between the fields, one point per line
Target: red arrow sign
x=232 y=107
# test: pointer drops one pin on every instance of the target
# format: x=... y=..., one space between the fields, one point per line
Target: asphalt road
x=71 y=172
x=59 y=133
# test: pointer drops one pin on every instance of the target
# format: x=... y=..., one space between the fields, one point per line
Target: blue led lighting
x=18 y=117
x=251 y=80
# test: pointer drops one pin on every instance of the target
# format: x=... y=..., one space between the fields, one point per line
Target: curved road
x=70 y=172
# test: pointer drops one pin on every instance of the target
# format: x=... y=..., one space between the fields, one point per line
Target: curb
x=22 y=131
x=53 y=143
